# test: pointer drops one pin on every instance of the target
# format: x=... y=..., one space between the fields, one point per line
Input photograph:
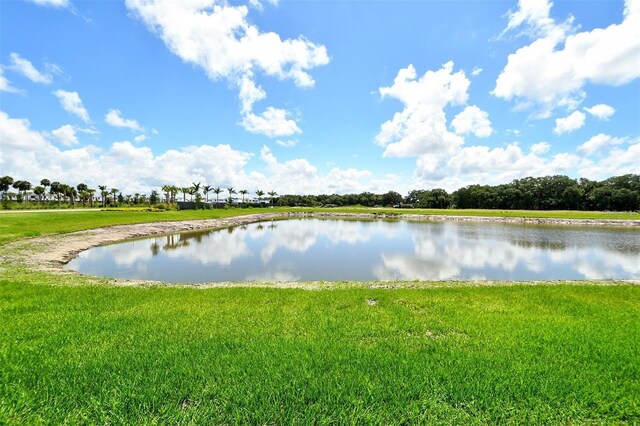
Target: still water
x=333 y=250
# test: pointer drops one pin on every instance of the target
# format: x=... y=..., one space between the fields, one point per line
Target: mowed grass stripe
x=534 y=355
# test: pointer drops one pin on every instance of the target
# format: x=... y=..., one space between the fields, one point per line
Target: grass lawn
x=161 y=355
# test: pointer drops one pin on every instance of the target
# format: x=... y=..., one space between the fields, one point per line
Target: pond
x=336 y=250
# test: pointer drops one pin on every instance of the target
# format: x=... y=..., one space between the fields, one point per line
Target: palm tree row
x=49 y=191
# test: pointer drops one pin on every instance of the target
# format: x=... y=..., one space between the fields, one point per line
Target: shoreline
x=52 y=252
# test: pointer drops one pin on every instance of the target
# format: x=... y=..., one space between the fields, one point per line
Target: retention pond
x=376 y=250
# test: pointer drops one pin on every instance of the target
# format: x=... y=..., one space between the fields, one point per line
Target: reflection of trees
x=545 y=245
x=155 y=248
x=175 y=241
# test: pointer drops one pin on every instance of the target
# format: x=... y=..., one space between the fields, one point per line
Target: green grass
x=520 y=355
x=16 y=225
x=72 y=353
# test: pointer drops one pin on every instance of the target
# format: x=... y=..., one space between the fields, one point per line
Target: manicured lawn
x=72 y=353
x=521 y=355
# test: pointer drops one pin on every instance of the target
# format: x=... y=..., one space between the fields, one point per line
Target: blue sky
x=318 y=96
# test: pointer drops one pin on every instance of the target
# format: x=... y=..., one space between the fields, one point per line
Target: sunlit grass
x=75 y=353
x=534 y=355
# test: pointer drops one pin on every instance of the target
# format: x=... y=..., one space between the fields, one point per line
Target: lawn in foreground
x=92 y=354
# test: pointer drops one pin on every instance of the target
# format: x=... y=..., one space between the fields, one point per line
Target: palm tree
x=167 y=192
x=231 y=192
x=39 y=191
x=91 y=194
x=114 y=191
x=259 y=193
x=5 y=184
x=103 y=192
x=217 y=191
x=45 y=183
x=206 y=189
x=272 y=194
x=56 y=189
x=243 y=192
x=22 y=185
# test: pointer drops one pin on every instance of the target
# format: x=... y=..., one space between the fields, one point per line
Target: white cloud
x=552 y=71
x=599 y=143
x=218 y=37
x=273 y=122
x=601 y=111
x=52 y=3
x=476 y=71
x=568 y=124
x=540 y=148
x=472 y=120
x=114 y=118
x=72 y=103
x=26 y=68
x=422 y=125
x=288 y=143
x=66 y=135
x=16 y=133
x=616 y=161
x=5 y=85
x=140 y=138
x=27 y=154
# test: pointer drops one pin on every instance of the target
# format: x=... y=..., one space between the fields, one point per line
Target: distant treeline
x=620 y=193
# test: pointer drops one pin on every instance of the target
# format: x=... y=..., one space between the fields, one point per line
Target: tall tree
x=206 y=189
x=39 y=191
x=260 y=194
x=243 y=192
x=103 y=193
x=114 y=192
x=272 y=194
x=217 y=191
x=5 y=184
x=231 y=192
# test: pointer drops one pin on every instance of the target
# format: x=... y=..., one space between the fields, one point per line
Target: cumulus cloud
x=217 y=37
x=599 y=143
x=26 y=68
x=552 y=71
x=568 y=124
x=114 y=118
x=540 y=148
x=29 y=154
x=72 y=103
x=472 y=120
x=476 y=71
x=66 y=135
x=601 y=111
x=421 y=127
x=140 y=138
x=273 y=122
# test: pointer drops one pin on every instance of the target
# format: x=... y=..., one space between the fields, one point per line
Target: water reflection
x=313 y=249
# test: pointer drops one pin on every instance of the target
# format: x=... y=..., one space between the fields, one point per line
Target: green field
x=99 y=354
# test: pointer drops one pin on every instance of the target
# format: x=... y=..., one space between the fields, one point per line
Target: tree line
x=618 y=193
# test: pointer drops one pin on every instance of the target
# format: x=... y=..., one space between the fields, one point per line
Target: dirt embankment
x=51 y=253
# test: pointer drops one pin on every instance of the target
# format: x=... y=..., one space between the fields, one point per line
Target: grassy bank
x=16 y=225
x=98 y=354
x=534 y=355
